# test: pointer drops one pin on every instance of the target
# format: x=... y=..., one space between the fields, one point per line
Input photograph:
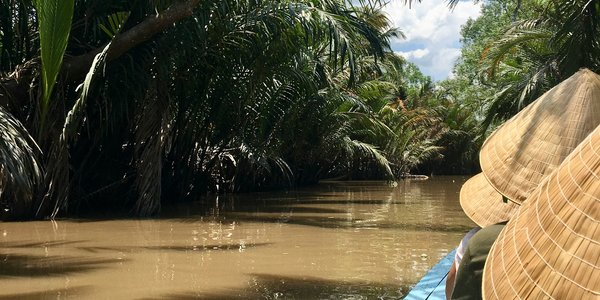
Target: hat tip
x=586 y=71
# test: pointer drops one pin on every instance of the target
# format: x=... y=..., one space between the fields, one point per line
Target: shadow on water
x=74 y=292
x=8 y=259
x=16 y=265
x=286 y=208
x=335 y=222
x=200 y=248
x=350 y=202
x=291 y=211
x=237 y=203
x=46 y=244
x=308 y=198
x=267 y=286
x=186 y=248
x=193 y=212
x=57 y=243
x=96 y=249
x=196 y=248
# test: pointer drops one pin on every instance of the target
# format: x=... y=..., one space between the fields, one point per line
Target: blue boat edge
x=432 y=286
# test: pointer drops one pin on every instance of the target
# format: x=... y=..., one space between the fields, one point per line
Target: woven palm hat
x=529 y=146
x=550 y=249
x=483 y=204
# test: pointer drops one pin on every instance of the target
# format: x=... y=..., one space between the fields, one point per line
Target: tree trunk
x=14 y=89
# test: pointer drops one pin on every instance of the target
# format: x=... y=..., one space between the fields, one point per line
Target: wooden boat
x=433 y=285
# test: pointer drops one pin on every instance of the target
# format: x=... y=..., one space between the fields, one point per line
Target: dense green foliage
x=252 y=95
x=517 y=50
x=238 y=96
x=513 y=53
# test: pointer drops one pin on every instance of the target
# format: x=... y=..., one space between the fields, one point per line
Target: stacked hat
x=483 y=204
x=550 y=249
x=522 y=152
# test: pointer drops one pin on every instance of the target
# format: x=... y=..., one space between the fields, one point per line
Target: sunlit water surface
x=338 y=240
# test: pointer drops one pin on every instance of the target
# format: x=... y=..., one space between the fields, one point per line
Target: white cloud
x=432 y=33
x=419 y=53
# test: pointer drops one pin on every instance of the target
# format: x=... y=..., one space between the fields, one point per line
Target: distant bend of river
x=337 y=240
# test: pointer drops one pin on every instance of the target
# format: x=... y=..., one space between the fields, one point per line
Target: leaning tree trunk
x=15 y=88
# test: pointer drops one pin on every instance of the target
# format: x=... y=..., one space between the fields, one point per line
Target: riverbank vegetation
x=128 y=105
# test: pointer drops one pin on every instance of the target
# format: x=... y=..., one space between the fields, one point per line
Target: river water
x=338 y=240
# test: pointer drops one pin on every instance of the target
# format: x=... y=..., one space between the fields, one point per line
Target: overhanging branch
x=14 y=88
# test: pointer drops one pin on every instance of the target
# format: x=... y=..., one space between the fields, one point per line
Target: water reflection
x=337 y=241
x=268 y=286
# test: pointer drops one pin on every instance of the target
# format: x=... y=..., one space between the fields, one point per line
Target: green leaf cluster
x=54 y=23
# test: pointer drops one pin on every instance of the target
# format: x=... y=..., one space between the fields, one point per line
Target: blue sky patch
x=432 y=33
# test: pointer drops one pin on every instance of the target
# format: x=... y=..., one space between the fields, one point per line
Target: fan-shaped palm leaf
x=21 y=173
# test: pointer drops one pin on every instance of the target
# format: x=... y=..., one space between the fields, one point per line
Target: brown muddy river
x=338 y=240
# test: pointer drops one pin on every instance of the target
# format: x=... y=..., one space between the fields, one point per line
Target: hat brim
x=483 y=204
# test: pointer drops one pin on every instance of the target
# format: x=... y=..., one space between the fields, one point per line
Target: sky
x=432 y=33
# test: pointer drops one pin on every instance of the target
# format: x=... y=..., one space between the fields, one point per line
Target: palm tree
x=212 y=113
x=533 y=55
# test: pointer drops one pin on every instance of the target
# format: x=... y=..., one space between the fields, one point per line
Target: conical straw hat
x=529 y=146
x=483 y=204
x=550 y=249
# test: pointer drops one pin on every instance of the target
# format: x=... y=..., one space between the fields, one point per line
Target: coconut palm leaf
x=151 y=133
x=253 y=95
x=518 y=34
x=534 y=55
x=361 y=149
x=57 y=177
x=114 y=23
x=576 y=37
x=21 y=171
x=54 y=18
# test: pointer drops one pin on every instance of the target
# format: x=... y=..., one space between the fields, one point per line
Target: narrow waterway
x=338 y=240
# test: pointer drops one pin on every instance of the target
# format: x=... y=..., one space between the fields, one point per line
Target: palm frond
x=54 y=19
x=150 y=138
x=21 y=171
x=518 y=34
x=359 y=150
x=57 y=177
x=114 y=23
x=576 y=38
